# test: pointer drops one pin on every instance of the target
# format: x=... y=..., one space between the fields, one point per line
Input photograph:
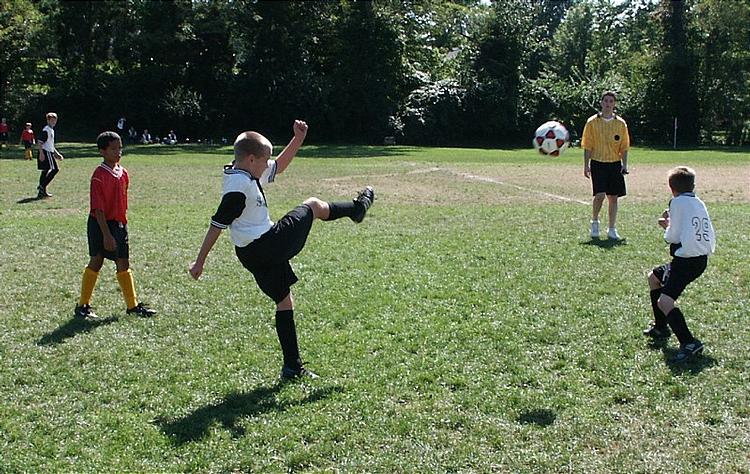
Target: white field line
x=515 y=186
x=466 y=176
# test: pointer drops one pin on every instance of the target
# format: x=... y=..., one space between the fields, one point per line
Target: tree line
x=430 y=72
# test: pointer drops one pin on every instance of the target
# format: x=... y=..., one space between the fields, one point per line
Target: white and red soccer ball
x=551 y=138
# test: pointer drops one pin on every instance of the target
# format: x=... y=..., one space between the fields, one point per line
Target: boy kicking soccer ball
x=107 y=228
x=265 y=248
x=690 y=233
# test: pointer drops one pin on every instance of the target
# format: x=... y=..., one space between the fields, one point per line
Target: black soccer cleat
x=687 y=352
x=42 y=193
x=657 y=333
x=289 y=373
x=362 y=202
x=84 y=311
x=142 y=311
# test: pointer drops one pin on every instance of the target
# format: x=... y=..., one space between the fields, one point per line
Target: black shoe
x=142 y=311
x=84 y=312
x=363 y=201
x=687 y=351
x=657 y=333
x=288 y=373
x=42 y=193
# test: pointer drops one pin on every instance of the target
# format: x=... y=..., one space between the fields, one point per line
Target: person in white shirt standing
x=691 y=238
x=48 y=156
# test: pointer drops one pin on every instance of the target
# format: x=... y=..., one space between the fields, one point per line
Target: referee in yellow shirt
x=605 y=145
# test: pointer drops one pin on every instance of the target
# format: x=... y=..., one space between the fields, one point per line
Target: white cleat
x=612 y=234
x=594 y=229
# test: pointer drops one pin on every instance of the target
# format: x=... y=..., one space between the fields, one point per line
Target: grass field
x=467 y=325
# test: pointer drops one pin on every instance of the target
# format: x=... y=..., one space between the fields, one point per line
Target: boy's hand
x=300 y=129
x=109 y=243
x=196 y=269
x=664 y=219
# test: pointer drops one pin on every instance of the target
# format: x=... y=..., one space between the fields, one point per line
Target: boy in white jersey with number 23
x=263 y=247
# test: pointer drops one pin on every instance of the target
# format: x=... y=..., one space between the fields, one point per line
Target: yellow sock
x=27 y=153
x=127 y=285
x=87 y=286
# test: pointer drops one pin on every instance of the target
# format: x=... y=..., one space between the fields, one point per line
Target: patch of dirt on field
x=448 y=185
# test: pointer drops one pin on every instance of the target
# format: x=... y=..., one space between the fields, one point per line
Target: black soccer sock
x=50 y=176
x=341 y=209
x=677 y=322
x=660 y=320
x=287 y=333
x=42 y=179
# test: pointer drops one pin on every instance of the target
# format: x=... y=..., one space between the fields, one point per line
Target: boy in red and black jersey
x=28 y=140
x=107 y=228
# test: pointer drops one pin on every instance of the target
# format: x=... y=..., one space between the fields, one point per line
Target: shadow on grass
x=72 y=328
x=29 y=199
x=605 y=243
x=539 y=417
x=233 y=409
x=351 y=151
x=693 y=366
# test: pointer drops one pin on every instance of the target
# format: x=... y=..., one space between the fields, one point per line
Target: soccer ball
x=551 y=138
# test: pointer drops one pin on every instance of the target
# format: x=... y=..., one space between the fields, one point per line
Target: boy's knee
x=653 y=281
x=319 y=208
x=96 y=263
x=665 y=303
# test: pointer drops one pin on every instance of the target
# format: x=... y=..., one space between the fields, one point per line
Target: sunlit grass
x=464 y=326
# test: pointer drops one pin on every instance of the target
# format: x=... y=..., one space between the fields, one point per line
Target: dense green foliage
x=467 y=325
x=431 y=72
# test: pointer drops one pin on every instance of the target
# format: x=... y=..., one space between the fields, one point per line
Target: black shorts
x=267 y=257
x=678 y=274
x=96 y=239
x=607 y=178
x=27 y=144
x=3 y=136
x=49 y=164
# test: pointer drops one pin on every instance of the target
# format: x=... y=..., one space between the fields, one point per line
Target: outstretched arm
x=287 y=155
x=196 y=268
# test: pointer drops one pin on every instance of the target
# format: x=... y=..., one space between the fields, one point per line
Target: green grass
x=466 y=325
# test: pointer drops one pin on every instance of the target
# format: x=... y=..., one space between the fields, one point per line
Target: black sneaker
x=363 y=201
x=288 y=373
x=42 y=193
x=84 y=312
x=687 y=351
x=142 y=311
x=657 y=333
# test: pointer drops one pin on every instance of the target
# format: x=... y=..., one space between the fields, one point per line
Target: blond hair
x=51 y=115
x=251 y=143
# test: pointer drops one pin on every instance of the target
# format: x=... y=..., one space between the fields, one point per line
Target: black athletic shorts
x=3 y=136
x=678 y=274
x=267 y=257
x=49 y=164
x=96 y=239
x=607 y=178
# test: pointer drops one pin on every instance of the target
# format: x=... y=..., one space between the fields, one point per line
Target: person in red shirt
x=3 y=132
x=28 y=140
x=107 y=229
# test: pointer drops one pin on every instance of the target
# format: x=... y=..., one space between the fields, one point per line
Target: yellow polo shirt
x=606 y=139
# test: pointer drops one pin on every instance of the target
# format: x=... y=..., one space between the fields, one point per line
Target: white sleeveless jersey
x=49 y=143
x=255 y=219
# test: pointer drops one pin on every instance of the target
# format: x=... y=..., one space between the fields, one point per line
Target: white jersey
x=49 y=143
x=690 y=227
x=254 y=220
